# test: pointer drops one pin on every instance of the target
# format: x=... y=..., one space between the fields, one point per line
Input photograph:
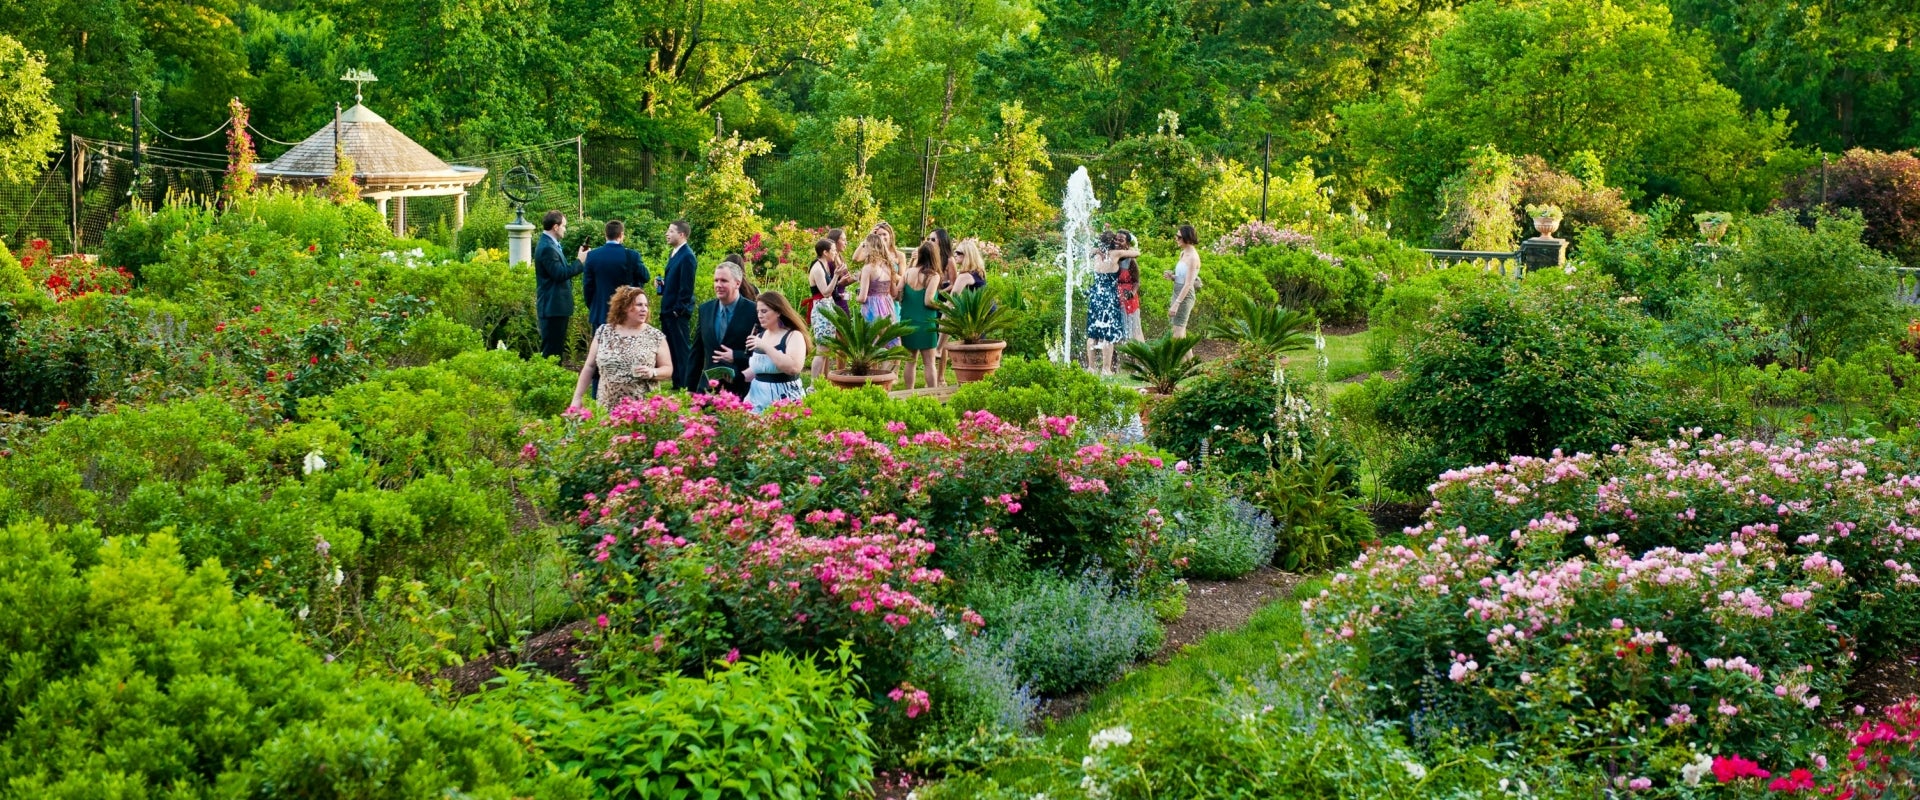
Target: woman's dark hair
x=945 y=241
x=837 y=236
x=784 y=310
x=1189 y=236
x=927 y=258
x=822 y=247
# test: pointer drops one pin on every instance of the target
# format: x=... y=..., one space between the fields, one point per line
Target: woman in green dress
x=917 y=309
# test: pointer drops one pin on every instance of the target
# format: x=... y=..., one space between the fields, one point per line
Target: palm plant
x=1161 y=363
x=865 y=346
x=974 y=317
x=1271 y=328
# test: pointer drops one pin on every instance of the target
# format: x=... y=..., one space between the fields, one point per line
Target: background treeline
x=1714 y=102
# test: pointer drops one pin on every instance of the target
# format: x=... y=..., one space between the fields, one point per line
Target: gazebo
x=386 y=164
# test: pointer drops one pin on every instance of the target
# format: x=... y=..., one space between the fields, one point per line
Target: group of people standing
x=880 y=281
x=743 y=344
x=754 y=345
x=1113 y=296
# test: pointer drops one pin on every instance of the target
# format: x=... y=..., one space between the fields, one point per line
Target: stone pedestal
x=519 y=242
x=1543 y=251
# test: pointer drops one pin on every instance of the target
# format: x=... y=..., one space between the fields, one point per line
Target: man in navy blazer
x=725 y=323
x=609 y=267
x=676 y=306
x=553 y=284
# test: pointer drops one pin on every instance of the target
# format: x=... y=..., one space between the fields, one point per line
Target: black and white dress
x=1105 y=321
x=769 y=386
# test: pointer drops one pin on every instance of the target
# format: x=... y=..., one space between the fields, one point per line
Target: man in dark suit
x=676 y=306
x=553 y=275
x=725 y=323
x=609 y=267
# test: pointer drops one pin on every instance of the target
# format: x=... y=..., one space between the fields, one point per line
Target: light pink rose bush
x=1697 y=596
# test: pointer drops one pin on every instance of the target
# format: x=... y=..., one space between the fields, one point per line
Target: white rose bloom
x=313 y=463
x=1112 y=737
x=1693 y=772
x=1415 y=769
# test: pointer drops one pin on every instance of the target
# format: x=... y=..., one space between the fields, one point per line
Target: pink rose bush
x=705 y=527
x=1693 y=596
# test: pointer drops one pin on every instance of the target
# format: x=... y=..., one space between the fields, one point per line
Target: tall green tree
x=1014 y=175
x=1286 y=68
x=654 y=69
x=722 y=203
x=29 y=121
x=1848 y=71
x=1556 y=77
x=1100 y=70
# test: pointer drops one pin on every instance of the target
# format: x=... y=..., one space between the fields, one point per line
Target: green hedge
x=129 y=674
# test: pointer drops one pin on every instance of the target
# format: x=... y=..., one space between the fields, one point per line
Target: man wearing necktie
x=725 y=323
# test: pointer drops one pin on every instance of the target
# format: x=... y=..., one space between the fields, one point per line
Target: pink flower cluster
x=916 y=699
x=1712 y=569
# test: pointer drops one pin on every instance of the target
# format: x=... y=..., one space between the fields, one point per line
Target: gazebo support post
x=400 y=217
x=382 y=204
x=460 y=211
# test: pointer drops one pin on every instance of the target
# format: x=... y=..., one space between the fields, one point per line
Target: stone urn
x=1713 y=229
x=1546 y=225
x=972 y=362
x=848 y=380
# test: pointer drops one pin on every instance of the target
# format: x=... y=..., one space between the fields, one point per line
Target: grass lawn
x=1347 y=355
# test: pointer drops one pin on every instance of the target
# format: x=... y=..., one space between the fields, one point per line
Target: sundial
x=521 y=186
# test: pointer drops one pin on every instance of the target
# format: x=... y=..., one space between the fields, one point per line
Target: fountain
x=1076 y=252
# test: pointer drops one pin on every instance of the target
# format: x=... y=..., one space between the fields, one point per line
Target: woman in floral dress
x=629 y=357
x=1106 y=324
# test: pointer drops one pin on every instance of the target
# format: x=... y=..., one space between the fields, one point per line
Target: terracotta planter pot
x=1546 y=226
x=972 y=362
x=845 y=380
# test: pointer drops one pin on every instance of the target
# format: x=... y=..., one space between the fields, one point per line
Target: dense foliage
x=1702 y=595
x=127 y=669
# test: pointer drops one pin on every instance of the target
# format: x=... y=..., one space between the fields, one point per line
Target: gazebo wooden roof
x=386 y=163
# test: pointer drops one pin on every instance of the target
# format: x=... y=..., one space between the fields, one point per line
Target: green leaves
x=29 y=121
x=1161 y=363
x=1271 y=329
x=972 y=317
x=867 y=346
x=770 y=726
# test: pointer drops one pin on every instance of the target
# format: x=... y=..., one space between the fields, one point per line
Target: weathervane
x=359 y=77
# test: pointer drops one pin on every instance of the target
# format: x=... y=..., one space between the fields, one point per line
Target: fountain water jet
x=1076 y=251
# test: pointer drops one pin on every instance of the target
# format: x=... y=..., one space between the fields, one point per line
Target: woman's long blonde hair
x=967 y=258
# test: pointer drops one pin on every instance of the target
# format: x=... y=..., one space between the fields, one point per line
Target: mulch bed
x=555 y=653
x=1883 y=681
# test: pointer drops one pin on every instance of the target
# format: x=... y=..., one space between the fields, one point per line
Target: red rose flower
x=220 y=327
x=313 y=360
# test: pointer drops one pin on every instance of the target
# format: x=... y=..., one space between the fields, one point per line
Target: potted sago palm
x=868 y=348
x=972 y=320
